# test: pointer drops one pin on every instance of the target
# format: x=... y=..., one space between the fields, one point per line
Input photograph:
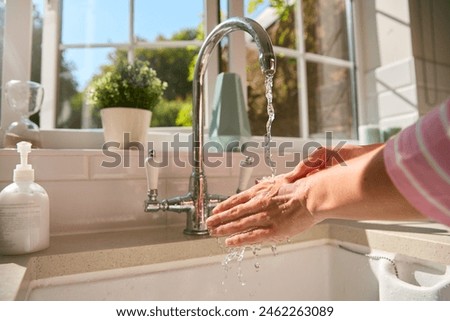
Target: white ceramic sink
x=297 y=272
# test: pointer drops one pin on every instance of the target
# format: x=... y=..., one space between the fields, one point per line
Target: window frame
x=52 y=48
x=17 y=46
x=303 y=57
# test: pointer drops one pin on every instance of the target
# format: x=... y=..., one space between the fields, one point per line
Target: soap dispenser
x=24 y=210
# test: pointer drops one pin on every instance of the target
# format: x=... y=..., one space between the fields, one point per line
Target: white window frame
x=51 y=49
x=17 y=41
x=304 y=57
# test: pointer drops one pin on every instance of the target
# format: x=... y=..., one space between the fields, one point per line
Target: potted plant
x=126 y=95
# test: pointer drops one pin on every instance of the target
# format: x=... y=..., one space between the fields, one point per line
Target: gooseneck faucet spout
x=197 y=202
x=266 y=60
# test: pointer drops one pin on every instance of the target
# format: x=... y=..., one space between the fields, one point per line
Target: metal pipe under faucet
x=197 y=203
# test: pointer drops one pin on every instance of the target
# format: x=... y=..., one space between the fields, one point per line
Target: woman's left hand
x=273 y=210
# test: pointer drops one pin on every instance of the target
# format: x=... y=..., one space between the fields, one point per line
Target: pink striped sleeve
x=418 y=162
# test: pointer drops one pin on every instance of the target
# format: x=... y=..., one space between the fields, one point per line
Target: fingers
x=316 y=161
x=248 y=216
x=232 y=201
x=260 y=191
x=238 y=208
x=250 y=237
x=246 y=223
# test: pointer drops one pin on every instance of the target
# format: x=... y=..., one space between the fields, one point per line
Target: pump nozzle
x=24 y=148
x=23 y=171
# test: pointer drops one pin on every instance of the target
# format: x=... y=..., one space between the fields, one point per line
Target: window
x=95 y=34
x=314 y=85
x=314 y=89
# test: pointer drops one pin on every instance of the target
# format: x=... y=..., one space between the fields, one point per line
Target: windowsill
x=88 y=139
x=93 y=138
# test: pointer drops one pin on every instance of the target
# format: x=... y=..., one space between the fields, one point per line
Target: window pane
x=77 y=67
x=254 y=8
x=223 y=9
x=38 y=21
x=160 y=20
x=285 y=97
x=278 y=20
x=325 y=28
x=94 y=21
x=329 y=100
x=172 y=65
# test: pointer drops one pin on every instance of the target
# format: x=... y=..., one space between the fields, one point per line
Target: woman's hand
x=275 y=209
x=323 y=158
x=272 y=210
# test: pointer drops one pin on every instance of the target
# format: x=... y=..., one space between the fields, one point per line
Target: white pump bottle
x=24 y=211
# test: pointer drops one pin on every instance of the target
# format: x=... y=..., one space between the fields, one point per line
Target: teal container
x=230 y=126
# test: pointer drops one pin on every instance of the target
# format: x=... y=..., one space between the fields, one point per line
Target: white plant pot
x=125 y=126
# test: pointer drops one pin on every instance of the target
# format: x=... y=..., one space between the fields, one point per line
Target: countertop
x=71 y=254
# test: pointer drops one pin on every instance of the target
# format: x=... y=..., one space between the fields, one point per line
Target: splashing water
x=234 y=254
x=237 y=255
x=271 y=113
x=273 y=248
x=255 y=250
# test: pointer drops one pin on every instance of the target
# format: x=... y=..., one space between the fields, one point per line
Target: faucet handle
x=245 y=173
x=152 y=171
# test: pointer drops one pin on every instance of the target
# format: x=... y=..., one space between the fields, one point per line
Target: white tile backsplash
x=81 y=206
x=47 y=167
x=400 y=121
x=87 y=196
x=176 y=165
x=60 y=168
x=176 y=187
x=7 y=165
x=394 y=76
x=402 y=101
x=390 y=92
x=121 y=166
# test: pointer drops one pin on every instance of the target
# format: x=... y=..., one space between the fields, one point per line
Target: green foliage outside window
x=134 y=85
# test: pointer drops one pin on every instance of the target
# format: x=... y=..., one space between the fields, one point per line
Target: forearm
x=359 y=190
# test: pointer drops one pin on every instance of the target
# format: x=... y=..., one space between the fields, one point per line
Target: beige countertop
x=71 y=254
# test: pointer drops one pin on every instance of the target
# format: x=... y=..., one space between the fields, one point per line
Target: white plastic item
x=152 y=171
x=24 y=211
x=245 y=173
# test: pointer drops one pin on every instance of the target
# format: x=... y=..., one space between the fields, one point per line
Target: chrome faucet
x=198 y=203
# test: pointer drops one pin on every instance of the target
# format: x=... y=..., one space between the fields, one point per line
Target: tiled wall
x=86 y=196
x=399 y=39
x=388 y=71
x=396 y=92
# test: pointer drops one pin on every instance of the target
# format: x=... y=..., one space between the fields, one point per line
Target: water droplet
x=257 y=266
x=234 y=254
x=273 y=247
x=255 y=249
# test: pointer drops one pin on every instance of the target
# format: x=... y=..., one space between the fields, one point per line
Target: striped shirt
x=418 y=162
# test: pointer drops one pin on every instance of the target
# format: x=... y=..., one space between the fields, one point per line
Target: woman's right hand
x=323 y=158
